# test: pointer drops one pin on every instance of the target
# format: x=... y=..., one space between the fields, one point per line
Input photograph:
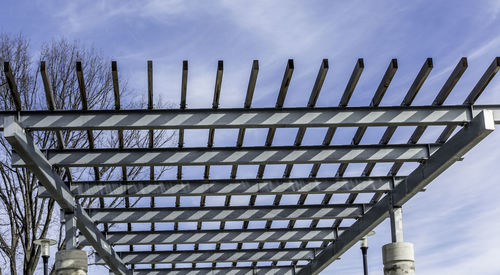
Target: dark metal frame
x=475 y=123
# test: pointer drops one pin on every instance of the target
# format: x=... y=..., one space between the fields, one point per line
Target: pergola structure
x=464 y=126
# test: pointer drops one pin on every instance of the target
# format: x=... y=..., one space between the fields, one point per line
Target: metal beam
x=484 y=81
x=474 y=94
x=184 y=84
x=70 y=235
x=11 y=82
x=285 y=83
x=81 y=85
x=346 y=96
x=211 y=132
x=241 y=133
x=438 y=101
x=49 y=96
x=223 y=213
x=353 y=81
x=51 y=105
x=450 y=83
x=258 y=270
x=375 y=102
x=452 y=151
x=210 y=256
x=320 y=78
x=252 y=118
x=299 y=137
x=215 y=105
x=150 y=145
x=235 y=155
x=408 y=99
x=90 y=134
x=249 y=118
x=180 y=143
x=218 y=236
x=40 y=166
x=396 y=218
x=318 y=84
x=248 y=103
x=418 y=82
x=217 y=187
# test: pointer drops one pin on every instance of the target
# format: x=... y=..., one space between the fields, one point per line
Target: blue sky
x=454 y=224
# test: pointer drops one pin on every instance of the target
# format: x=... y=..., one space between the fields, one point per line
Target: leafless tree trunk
x=23 y=216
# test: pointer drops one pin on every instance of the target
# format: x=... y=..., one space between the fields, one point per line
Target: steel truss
x=452 y=115
x=475 y=122
x=157 y=188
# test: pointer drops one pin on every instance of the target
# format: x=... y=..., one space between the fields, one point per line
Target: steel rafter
x=218 y=236
x=69 y=220
x=222 y=213
x=51 y=105
x=407 y=101
x=280 y=270
x=203 y=256
x=438 y=101
x=241 y=133
x=318 y=84
x=211 y=132
x=285 y=83
x=180 y=143
x=217 y=187
x=233 y=155
x=375 y=102
x=453 y=115
x=90 y=134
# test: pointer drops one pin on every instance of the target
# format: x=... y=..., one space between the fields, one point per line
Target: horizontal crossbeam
x=231 y=213
x=218 y=236
x=147 y=188
x=237 y=155
x=258 y=270
x=248 y=118
x=200 y=256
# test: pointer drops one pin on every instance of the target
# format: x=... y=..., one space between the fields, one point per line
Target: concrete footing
x=71 y=262
x=398 y=258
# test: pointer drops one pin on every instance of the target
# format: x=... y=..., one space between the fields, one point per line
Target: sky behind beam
x=454 y=224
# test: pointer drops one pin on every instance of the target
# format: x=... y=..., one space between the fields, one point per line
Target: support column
x=71 y=262
x=398 y=256
x=396 y=217
x=70 y=230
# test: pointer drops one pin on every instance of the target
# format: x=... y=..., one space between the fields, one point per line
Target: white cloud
x=78 y=16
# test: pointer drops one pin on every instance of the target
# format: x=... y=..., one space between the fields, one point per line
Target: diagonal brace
x=37 y=163
x=453 y=150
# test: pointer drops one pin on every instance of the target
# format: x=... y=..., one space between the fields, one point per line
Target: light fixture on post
x=364 y=250
x=45 y=246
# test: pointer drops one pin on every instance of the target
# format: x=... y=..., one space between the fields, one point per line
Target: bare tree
x=23 y=216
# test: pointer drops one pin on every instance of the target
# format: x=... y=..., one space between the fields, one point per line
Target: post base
x=71 y=262
x=399 y=258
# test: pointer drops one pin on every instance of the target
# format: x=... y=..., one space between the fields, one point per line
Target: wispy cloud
x=78 y=16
